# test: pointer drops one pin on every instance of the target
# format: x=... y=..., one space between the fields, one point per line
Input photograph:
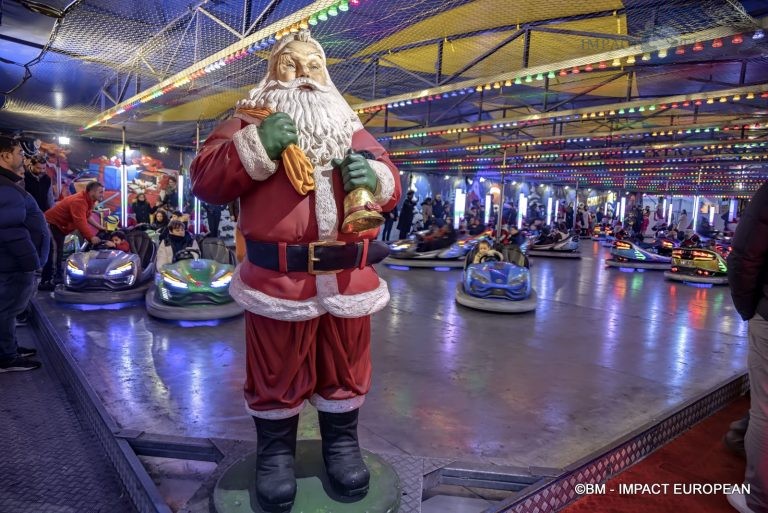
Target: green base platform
x=235 y=490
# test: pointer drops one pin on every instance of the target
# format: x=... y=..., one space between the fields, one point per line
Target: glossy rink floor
x=605 y=352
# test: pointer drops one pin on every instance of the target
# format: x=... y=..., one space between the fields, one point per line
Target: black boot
x=341 y=452
x=276 y=450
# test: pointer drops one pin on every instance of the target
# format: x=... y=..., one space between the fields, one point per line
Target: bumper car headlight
x=222 y=282
x=73 y=269
x=125 y=268
x=171 y=281
x=481 y=278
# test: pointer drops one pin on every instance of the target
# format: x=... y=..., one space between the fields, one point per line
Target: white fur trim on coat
x=341 y=406
x=386 y=186
x=325 y=203
x=277 y=414
x=356 y=305
x=282 y=309
x=328 y=300
x=252 y=153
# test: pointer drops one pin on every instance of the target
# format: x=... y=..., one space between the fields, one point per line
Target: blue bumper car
x=496 y=280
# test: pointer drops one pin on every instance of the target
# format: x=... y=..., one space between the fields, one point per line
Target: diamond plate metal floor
x=49 y=461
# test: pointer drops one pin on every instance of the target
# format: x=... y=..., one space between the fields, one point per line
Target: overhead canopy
x=420 y=72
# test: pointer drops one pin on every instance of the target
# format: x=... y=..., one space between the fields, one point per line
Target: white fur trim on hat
x=340 y=406
x=275 y=308
x=277 y=414
x=252 y=154
x=356 y=305
x=386 y=186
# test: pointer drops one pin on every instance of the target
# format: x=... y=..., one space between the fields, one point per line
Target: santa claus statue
x=308 y=288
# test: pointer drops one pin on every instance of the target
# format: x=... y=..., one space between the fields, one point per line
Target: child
x=177 y=240
x=117 y=241
x=483 y=248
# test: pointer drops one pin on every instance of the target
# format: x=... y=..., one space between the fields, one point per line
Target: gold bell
x=361 y=212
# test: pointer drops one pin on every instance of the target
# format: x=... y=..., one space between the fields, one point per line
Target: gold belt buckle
x=312 y=259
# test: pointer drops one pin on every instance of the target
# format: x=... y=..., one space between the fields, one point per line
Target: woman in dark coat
x=141 y=209
x=406 y=215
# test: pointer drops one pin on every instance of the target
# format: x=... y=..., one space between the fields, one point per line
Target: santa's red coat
x=232 y=163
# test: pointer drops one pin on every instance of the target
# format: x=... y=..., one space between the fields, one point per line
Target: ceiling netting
x=375 y=49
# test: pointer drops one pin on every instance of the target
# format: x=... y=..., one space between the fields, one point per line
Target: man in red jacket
x=65 y=217
x=308 y=288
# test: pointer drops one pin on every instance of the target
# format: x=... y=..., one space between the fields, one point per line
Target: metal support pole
x=375 y=75
x=546 y=93
x=123 y=188
x=439 y=62
x=743 y=73
x=526 y=47
x=630 y=79
x=197 y=201
x=575 y=206
x=501 y=204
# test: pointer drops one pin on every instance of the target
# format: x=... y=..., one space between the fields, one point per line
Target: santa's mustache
x=302 y=82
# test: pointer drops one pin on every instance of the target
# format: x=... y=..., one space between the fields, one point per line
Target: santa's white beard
x=323 y=118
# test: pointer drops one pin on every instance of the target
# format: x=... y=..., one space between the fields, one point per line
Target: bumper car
x=195 y=287
x=496 y=280
x=631 y=255
x=71 y=245
x=556 y=244
x=699 y=265
x=103 y=276
x=601 y=232
x=426 y=248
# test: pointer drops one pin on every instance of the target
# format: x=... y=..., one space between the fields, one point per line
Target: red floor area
x=698 y=456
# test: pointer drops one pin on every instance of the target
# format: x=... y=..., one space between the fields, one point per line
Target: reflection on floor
x=604 y=353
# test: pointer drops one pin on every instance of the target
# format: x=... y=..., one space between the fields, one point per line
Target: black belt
x=321 y=257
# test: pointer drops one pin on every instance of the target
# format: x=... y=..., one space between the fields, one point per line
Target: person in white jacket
x=177 y=240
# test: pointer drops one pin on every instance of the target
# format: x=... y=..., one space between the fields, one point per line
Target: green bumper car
x=193 y=287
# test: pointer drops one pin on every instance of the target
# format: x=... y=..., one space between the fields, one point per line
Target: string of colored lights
x=605 y=61
x=639 y=107
x=725 y=129
x=318 y=11
x=652 y=150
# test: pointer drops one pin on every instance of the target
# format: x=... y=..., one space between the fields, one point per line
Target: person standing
x=68 y=215
x=406 y=215
x=24 y=246
x=748 y=279
x=38 y=184
x=682 y=225
x=389 y=220
x=141 y=209
x=213 y=215
x=438 y=210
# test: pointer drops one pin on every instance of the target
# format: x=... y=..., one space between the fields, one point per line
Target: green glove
x=276 y=132
x=356 y=172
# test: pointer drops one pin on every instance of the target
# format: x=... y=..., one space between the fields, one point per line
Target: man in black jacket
x=24 y=245
x=748 y=278
x=38 y=183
